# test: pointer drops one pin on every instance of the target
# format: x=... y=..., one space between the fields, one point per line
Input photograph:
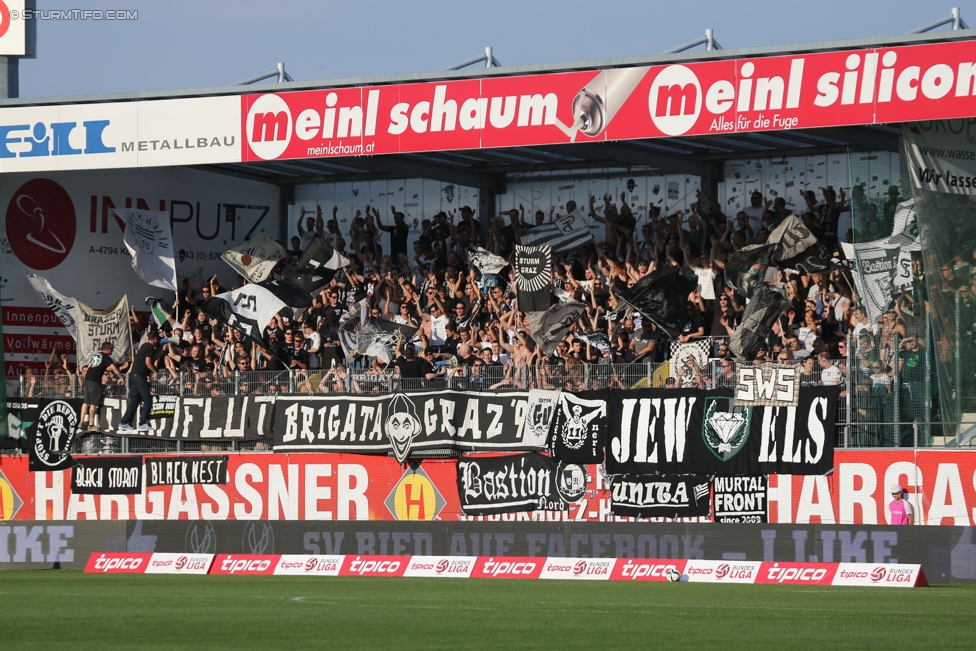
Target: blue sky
x=179 y=44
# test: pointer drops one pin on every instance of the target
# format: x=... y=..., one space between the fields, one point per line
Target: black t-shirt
x=415 y=368
x=97 y=364
x=298 y=355
x=139 y=363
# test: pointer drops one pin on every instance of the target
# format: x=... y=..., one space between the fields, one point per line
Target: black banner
x=50 y=436
x=579 y=431
x=163 y=471
x=522 y=482
x=740 y=499
x=680 y=432
x=221 y=418
x=107 y=476
x=646 y=496
x=533 y=275
x=401 y=423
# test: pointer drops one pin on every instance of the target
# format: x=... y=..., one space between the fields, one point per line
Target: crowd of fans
x=459 y=327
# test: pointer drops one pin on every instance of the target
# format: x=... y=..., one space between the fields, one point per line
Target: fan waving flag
x=746 y=269
x=320 y=255
x=148 y=235
x=255 y=258
x=485 y=262
x=159 y=311
x=662 y=296
x=565 y=233
x=533 y=273
x=758 y=318
x=290 y=294
x=249 y=309
x=98 y=326
x=64 y=307
x=549 y=327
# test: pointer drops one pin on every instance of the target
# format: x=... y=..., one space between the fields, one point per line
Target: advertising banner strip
x=515 y=567
x=118 y=562
x=169 y=563
x=113 y=475
x=793 y=91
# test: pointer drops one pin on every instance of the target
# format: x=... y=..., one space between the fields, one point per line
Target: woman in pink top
x=901 y=511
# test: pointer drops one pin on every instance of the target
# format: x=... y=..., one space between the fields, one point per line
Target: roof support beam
x=862 y=137
x=627 y=155
x=413 y=168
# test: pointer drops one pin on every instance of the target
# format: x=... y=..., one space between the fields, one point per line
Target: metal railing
x=881 y=406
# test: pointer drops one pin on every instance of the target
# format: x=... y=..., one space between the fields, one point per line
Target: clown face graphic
x=401 y=425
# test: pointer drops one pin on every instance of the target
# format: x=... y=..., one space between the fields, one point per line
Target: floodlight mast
x=955 y=18
x=278 y=72
x=487 y=57
x=708 y=40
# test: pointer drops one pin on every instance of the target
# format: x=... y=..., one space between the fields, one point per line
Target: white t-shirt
x=755 y=217
x=438 y=330
x=831 y=376
x=706 y=282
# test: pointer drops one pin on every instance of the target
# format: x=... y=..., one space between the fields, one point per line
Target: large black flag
x=662 y=296
x=746 y=269
x=309 y=281
x=533 y=273
x=757 y=322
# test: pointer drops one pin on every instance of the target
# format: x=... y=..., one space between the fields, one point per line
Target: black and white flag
x=533 y=276
x=64 y=307
x=197 y=418
x=790 y=239
x=311 y=282
x=746 y=268
x=248 y=309
x=549 y=327
x=319 y=254
x=487 y=263
x=51 y=436
x=523 y=482
x=663 y=496
x=565 y=233
x=760 y=314
x=255 y=258
x=378 y=338
x=113 y=475
x=148 y=235
x=662 y=296
x=579 y=430
x=288 y=293
x=166 y=471
x=740 y=499
x=98 y=326
x=598 y=340
x=543 y=404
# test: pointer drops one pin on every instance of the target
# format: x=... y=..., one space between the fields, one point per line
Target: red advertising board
x=355 y=565
x=118 y=562
x=508 y=567
x=796 y=91
x=940 y=484
x=797 y=573
x=244 y=563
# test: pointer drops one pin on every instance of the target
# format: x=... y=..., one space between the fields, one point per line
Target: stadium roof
x=484 y=168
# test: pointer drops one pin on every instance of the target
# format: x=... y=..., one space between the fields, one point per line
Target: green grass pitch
x=62 y=609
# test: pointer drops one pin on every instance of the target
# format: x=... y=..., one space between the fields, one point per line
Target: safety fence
x=887 y=399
